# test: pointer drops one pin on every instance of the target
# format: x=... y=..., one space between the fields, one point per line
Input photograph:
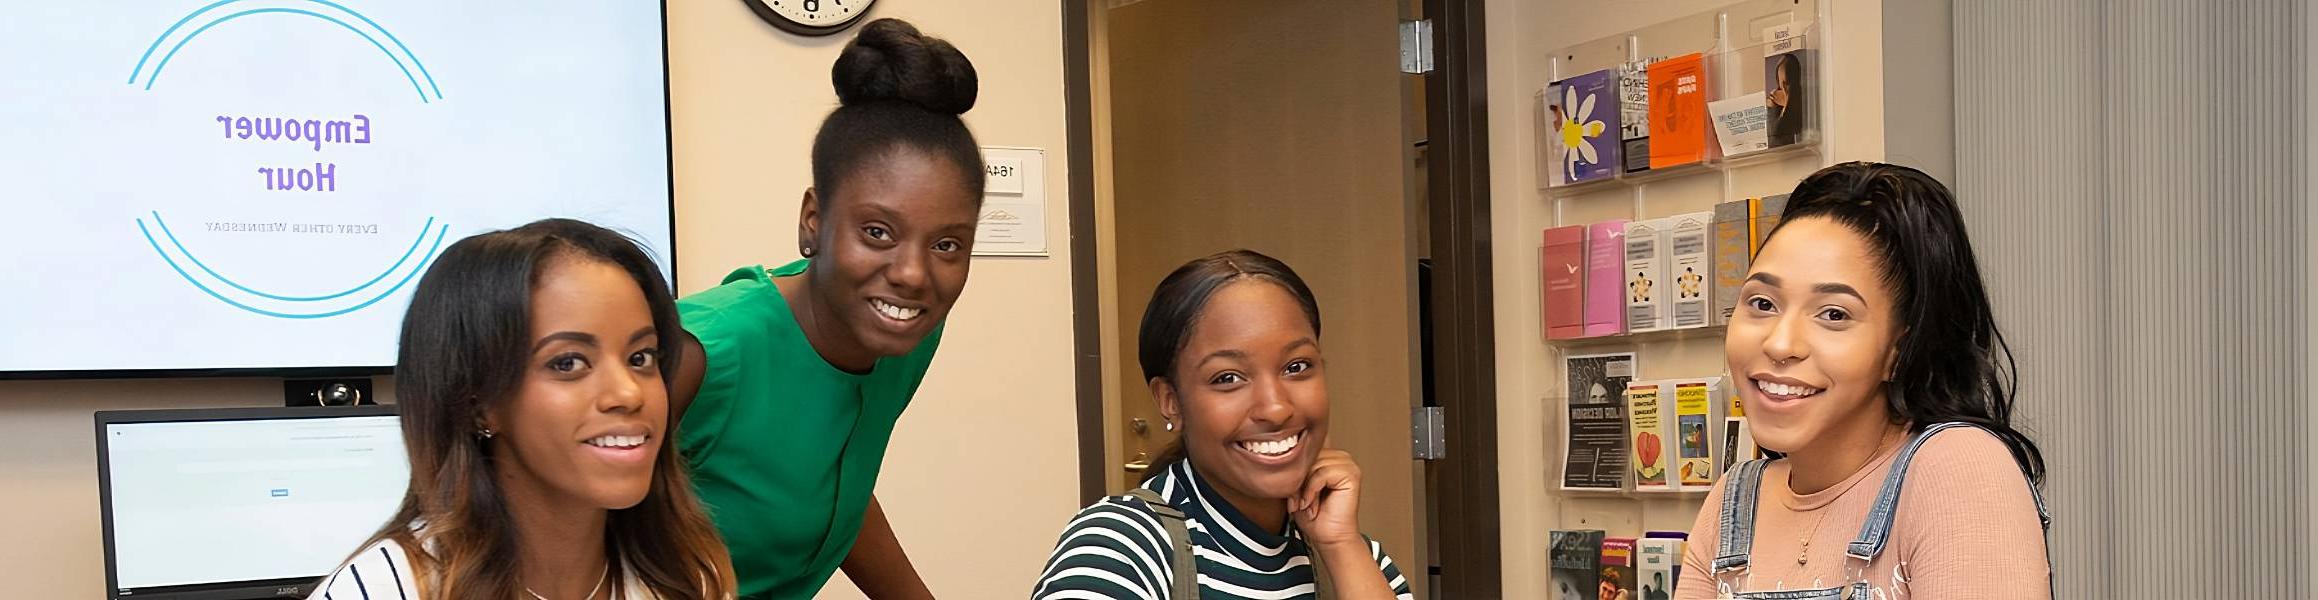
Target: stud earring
x=807 y=251
x=487 y=433
x=1171 y=425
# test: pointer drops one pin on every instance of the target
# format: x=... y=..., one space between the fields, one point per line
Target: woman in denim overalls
x=1867 y=358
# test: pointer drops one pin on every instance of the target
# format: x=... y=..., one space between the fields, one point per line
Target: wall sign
x=1013 y=219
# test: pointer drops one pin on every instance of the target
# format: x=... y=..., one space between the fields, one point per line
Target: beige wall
x=1520 y=35
x=746 y=100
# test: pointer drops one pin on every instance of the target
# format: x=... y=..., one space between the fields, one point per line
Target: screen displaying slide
x=232 y=501
x=239 y=184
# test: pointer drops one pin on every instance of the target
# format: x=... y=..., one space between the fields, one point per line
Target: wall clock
x=811 y=17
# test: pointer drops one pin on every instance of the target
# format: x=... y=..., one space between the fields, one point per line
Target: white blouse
x=382 y=572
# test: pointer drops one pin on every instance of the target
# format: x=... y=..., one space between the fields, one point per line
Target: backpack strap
x=1186 y=580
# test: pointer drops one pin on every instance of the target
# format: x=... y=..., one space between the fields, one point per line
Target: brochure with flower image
x=1583 y=114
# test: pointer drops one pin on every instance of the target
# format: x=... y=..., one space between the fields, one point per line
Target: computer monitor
x=242 y=503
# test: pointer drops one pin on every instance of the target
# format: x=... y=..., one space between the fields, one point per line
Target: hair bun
x=890 y=60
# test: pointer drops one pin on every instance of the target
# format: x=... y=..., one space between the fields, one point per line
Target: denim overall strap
x=1735 y=537
x=2044 y=515
x=2044 y=519
x=1877 y=530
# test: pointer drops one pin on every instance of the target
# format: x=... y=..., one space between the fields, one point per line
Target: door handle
x=1141 y=463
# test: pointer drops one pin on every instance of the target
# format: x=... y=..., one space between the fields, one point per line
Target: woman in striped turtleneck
x=1250 y=495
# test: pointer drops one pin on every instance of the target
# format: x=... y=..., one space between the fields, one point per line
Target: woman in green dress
x=808 y=365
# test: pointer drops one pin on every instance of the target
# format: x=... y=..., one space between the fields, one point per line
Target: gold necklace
x=1803 y=555
x=591 y=591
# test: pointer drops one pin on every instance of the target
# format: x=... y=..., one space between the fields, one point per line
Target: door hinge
x=1427 y=440
x=1416 y=47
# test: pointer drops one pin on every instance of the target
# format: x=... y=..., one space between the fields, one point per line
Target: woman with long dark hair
x=1250 y=501
x=1786 y=97
x=532 y=384
x=1866 y=356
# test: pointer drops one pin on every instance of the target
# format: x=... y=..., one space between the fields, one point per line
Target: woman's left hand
x=1327 y=508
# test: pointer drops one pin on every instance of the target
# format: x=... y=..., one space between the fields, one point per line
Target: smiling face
x=892 y=249
x=1248 y=389
x=591 y=414
x=1814 y=338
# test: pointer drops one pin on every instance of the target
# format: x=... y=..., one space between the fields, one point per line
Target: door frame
x=1086 y=295
x=1464 y=324
x=1464 y=356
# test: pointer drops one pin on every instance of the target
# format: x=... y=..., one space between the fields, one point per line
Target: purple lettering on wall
x=322 y=178
x=315 y=132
